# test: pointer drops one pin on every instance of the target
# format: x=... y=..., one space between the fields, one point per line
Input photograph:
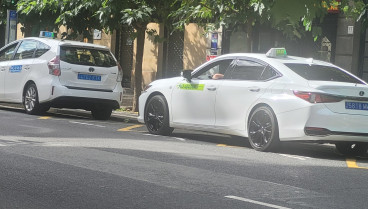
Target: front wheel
x=101 y=113
x=263 y=129
x=156 y=116
x=352 y=148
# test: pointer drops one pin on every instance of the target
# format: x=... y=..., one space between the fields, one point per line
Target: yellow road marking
x=225 y=145
x=353 y=164
x=130 y=128
x=44 y=118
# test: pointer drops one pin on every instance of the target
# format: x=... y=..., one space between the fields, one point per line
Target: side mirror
x=187 y=74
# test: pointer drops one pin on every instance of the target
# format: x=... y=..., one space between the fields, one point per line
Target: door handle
x=254 y=89
x=211 y=88
x=2 y=69
x=27 y=67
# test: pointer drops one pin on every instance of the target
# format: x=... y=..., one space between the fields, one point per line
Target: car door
x=193 y=103
x=5 y=55
x=19 y=68
x=249 y=79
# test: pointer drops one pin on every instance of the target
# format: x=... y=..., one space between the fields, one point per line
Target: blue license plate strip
x=356 y=106
x=89 y=77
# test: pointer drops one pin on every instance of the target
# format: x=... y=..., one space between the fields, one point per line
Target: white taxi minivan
x=41 y=73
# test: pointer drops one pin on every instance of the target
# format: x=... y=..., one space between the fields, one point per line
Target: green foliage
x=4 y=6
x=292 y=17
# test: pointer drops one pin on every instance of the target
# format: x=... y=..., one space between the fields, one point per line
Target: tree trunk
x=249 y=37
x=141 y=34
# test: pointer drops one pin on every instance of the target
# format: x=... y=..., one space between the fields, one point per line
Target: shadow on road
x=313 y=150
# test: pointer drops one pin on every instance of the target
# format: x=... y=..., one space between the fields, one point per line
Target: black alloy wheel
x=263 y=129
x=352 y=148
x=156 y=116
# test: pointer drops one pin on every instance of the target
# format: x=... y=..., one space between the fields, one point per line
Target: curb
x=126 y=117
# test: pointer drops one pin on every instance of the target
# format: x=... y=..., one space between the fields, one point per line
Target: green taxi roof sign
x=276 y=52
x=47 y=34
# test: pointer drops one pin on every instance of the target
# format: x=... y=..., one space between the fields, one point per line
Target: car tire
x=156 y=116
x=352 y=148
x=263 y=130
x=101 y=113
x=30 y=100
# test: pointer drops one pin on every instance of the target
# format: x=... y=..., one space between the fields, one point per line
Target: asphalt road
x=71 y=161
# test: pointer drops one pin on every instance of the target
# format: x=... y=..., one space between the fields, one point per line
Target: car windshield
x=85 y=56
x=322 y=73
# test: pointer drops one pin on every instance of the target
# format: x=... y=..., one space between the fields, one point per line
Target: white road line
x=256 y=202
x=180 y=139
x=295 y=157
x=87 y=124
x=150 y=135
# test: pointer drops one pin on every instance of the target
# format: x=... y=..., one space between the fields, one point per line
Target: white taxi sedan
x=266 y=97
x=43 y=73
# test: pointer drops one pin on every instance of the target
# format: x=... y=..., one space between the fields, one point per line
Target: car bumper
x=142 y=103
x=317 y=123
x=63 y=97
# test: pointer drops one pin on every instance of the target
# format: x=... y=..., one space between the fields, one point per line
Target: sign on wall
x=11 y=26
x=97 y=34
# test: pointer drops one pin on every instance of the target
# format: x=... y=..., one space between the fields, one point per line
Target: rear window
x=322 y=73
x=85 y=56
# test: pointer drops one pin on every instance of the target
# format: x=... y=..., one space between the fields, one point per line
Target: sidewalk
x=123 y=116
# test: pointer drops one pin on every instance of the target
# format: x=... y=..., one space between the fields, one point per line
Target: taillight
x=317 y=97
x=54 y=66
x=120 y=73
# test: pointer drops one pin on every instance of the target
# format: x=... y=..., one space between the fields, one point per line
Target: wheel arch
x=25 y=87
x=148 y=99
x=254 y=108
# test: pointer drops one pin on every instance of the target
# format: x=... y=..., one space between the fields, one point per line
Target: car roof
x=65 y=42
x=278 y=60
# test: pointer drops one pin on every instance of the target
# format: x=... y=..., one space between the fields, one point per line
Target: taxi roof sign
x=47 y=34
x=276 y=52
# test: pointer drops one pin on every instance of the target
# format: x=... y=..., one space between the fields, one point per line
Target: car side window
x=216 y=70
x=26 y=50
x=41 y=49
x=268 y=73
x=250 y=70
x=7 y=53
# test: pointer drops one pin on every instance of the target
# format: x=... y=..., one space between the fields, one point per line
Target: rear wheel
x=352 y=148
x=263 y=129
x=30 y=101
x=101 y=113
x=156 y=116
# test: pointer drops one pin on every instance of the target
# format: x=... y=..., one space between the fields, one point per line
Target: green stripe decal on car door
x=188 y=86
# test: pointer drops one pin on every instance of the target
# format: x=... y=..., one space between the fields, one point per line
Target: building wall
x=345 y=49
x=364 y=60
x=107 y=39
x=152 y=56
x=195 y=46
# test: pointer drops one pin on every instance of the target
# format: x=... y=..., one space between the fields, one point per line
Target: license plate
x=89 y=77
x=356 y=105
